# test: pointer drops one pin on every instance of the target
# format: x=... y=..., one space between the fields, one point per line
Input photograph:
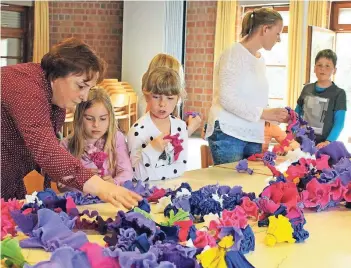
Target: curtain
x=317 y=13
x=41 y=30
x=225 y=26
x=296 y=39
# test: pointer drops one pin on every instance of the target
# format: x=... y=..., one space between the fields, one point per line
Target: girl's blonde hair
x=164 y=81
x=76 y=142
x=164 y=60
x=260 y=16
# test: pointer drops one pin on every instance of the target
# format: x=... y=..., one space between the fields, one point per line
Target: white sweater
x=240 y=95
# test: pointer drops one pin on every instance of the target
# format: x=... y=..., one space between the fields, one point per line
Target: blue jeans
x=227 y=149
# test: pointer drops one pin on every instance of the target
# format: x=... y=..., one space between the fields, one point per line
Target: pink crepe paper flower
x=316 y=194
x=235 y=218
x=156 y=195
x=322 y=162
x=282 y=193
x=347 y=193
x=249 y=207
x=267 y=207
x=204 y=239
x=7 y=223
x=99 y=158
x=297 y=171
x=336 y=189
x=307 y=162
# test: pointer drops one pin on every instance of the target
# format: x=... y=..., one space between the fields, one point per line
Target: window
x=341 y=24
x=276 y=62
x=16 y=34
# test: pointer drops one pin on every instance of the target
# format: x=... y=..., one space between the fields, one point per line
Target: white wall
x=143 y=38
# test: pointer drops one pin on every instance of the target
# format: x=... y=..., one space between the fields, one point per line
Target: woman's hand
x=193 y=124
x=322 y=144
x=159 y=143
x=280 y=115
x=111 y=193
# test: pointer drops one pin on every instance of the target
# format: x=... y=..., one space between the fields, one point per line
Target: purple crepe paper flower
x=327 y=175
x=343 y=168
x=52 y=233
x=243 y=166
x=182 y=202
x=126 y=238
x=336 y=150
x=24 y=222
x=230 y=202
x=307 y=145
x=269 y=158
x=248 y=242
x=208 y=206
x=236 y=190
x=139 y=188
x=223 y=189
x=80 y=199
x=64 y=257
x=209 y=190
x=136 y=260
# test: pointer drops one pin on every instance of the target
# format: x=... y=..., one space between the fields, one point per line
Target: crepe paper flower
x=144 y=205
x=243 y=167
x=336 y=150
x=143 y=212
x=347 y=193
x=180 y=216
x=139 y=187
x=7 y=222
x=183 y=192
x=275 y=172
x=176 y=143
x=269 y=158
x=11 y=251
x=300 y=234
x=322 y=162
x=98 y=158
x=336 y=190
x=162 y=204
x=296 y=171
x=215 y=257
x=80 y=199
x=230 y=202
x=25 y=222
x=327 y=175
x=65 y=257
x=316 y=195
x=307 y=145
x=184 y=228
x=156 y=195
x=248 y=242
x=209 y=205
x=210 y=217
x=255 y=157
x=193 y=114
x=278 y=149
x=235 y=259
x=52 y=233
x=96 y=257
x=236 y=217
x=249 y=207
x=279 y=230
x=182 y=202
x=343 y=164
x=203 y=239
x=235 y=232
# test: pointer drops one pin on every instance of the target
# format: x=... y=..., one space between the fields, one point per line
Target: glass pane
x=342 y=77
x=11 y=47
x=6 y=62
x=286 y=17
x=344 y=16
x=277 y=81
x=11 y=19
x=279 y=53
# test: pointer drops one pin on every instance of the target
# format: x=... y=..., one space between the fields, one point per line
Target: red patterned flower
x=204 y=239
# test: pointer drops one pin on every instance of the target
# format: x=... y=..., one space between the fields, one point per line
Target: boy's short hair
x=327 y=53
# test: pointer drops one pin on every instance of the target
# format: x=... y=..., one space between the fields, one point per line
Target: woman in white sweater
x=235 y=128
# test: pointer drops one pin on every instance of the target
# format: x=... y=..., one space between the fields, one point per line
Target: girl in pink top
x=96 y=140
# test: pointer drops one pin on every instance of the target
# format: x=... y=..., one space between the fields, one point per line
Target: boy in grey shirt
x=323 y=104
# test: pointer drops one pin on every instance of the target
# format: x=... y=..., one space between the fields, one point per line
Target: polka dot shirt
x=29 y=123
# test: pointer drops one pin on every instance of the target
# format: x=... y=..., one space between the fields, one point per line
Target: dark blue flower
x=248 y=242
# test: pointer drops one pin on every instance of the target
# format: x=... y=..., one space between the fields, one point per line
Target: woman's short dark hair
x=72 y=56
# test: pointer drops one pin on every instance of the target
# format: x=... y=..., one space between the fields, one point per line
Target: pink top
x=123 y=169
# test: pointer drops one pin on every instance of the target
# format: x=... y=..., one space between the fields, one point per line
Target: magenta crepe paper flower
x=316 y=194
x=204 y=239
x=322 y=162
x=249 y=207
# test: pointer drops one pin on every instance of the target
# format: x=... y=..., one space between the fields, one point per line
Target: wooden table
x=329 y=244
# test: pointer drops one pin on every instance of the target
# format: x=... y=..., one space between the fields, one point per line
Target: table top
x=330 y=231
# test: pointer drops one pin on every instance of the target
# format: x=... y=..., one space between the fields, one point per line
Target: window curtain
x=317 y=13
x=225 y=26
x=295 y=52
x=41 y=30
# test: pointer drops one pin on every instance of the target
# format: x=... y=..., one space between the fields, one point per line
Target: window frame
x=25 y=33
x=334 y=17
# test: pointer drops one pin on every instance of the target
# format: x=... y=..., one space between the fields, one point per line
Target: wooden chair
x=120 y=103
x=206 y=157
x=133 y=108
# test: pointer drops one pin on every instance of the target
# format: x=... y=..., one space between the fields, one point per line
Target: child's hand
x=322 y=144
x=159 y=143
x=280 y=115
x=193 y=123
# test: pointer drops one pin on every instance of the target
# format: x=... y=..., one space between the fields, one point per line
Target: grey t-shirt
x=319 y=108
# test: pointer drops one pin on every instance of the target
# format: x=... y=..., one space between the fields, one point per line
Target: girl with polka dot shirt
x=96 y=140
x=158 y=141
